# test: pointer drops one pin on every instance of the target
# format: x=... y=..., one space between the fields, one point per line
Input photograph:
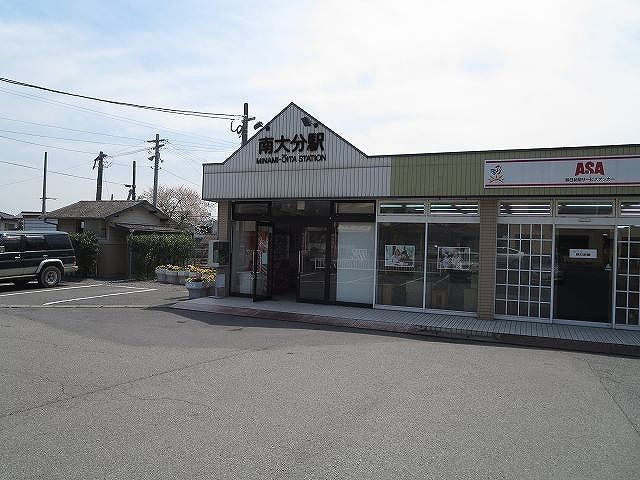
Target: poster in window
x=399 y=255
x=454 y=258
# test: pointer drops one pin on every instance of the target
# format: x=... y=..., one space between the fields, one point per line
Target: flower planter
x=182 y=277
x=198 y=289
x=161 y=275
x=172 y=276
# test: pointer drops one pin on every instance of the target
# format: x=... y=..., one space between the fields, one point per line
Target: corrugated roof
x=7 y=216
x=100 y=208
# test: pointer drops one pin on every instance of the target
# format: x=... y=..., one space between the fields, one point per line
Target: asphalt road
x=146 y=392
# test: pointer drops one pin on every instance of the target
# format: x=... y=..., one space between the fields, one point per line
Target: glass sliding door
x=400 y=264
x=353 y=263
x=242 y=257
x=312 y=263
x=262 y=262
x=452 y=266
x=583 y=274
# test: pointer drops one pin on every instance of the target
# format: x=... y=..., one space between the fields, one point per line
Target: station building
x=545 y=234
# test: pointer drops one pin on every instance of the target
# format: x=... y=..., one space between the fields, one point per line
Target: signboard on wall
x=563 y=172
x=454 y=258
x=583 y=253
x=399 y=255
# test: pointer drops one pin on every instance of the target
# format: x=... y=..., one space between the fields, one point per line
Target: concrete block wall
x=487 y=267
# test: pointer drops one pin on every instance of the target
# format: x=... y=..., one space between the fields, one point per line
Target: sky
x=390 y=77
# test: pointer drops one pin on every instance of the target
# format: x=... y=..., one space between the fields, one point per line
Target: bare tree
x=184 y=205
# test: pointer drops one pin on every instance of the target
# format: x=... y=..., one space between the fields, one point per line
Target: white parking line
x=98 y=296
x=127 y=286
x=49 y=290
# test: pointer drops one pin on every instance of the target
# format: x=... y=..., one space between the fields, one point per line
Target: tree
x=184 y=205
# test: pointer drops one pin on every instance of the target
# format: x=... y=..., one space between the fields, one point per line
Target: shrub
x=150 y=250
x=86 y=247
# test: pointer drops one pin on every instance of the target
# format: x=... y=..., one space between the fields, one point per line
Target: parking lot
x=91 y=293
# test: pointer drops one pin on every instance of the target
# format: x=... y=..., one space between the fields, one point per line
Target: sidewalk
x=569 y=337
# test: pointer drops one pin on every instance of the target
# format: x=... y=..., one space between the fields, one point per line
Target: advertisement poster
x=399 y=255
x=454 y=258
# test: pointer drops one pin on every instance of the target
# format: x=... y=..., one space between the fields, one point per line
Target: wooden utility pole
x=245 y=124
x=44 y=186
x=156 y=166
x=99 y=160
x=132 y=187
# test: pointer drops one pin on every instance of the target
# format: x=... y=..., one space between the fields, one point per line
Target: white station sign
x=583 y=253
x=563 y=171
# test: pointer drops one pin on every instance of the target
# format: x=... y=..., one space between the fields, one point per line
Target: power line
x=39 y=177
x=48 y=146
x=56 y=172
x=181 y=178
x=104 y=114
x=67 y=139
x=9 y=119
x=221 y=116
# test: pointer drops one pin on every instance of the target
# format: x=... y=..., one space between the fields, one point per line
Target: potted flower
x=161 y=273
x=210 y=279
x=172 y=274
x=197 y=287
x=183 y=273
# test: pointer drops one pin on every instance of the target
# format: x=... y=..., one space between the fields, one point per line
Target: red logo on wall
x=589 y=168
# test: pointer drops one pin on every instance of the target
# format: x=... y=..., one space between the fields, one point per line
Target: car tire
x=50 y=276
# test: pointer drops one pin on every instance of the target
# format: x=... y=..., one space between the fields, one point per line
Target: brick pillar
x=487 y=268
x=224 y=220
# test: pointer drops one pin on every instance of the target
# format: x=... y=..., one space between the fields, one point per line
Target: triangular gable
x=295 y=155
x=293 y=141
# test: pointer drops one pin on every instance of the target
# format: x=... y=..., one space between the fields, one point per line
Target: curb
x=425 y=331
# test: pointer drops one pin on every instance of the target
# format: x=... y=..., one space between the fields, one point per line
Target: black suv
x=26 y=256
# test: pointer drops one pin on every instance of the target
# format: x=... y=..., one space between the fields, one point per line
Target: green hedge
x=86 y=247
x=149 y=251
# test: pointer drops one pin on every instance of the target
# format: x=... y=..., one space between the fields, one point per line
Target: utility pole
x=156 y=166
x=132 y=187
x=245 y=124
x=44 y=187
x=99 y=160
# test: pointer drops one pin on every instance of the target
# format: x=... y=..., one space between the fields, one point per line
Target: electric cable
x=104 y=114
x=9 y=119
x=55 y=172
x=67 y=139
x=47 y=146
x=221 y=116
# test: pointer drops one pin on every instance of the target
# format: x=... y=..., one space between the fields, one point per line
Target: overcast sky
x=391 y=77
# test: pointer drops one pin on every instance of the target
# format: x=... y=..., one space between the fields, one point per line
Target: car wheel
x=50 y=276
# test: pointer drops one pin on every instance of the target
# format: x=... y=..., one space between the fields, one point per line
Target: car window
x=58 y=242
x=11 y=243
x=34 y=242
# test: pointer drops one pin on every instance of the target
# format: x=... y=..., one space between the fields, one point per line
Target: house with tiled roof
x=112 y=221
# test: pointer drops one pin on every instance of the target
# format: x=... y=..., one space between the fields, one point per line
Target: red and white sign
x=563 y=171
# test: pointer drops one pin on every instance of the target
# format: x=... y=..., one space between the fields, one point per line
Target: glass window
x=401 y=208
x=453 y=208
x=58 y=242
x=400 y=264
x=360 y=208
x=34 y=243
x=452 y=266
x=630 y=209
x=354 y=260
x=525 y=208
x=628 y=278
x=251 y=208
x=523 y=270
x=242 y=256
x=11 y=243
x=307 y=208
x=592 y=208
